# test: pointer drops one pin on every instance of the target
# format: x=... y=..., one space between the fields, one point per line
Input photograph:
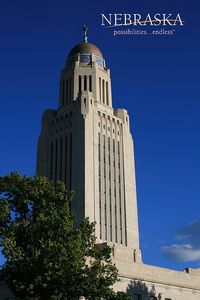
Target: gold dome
x=84 y=48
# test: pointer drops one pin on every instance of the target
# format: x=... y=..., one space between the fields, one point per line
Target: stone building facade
x=87 y=144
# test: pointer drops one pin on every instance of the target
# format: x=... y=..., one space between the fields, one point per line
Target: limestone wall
x=145 y=280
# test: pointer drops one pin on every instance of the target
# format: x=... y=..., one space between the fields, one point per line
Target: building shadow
x=138 y=290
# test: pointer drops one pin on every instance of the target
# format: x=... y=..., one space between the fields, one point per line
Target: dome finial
x=85 y=30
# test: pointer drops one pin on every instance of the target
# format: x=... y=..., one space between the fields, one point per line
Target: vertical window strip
x=100 y=89
x=85 y=83
x=120 y=199
x=90 y=83
x=125 y=222
x=66 y=91
x=107 y=95
x=70 y=90
x=124 y=194
x=110 y=197
x=105 y=208
x=99 y=154
x=114 y=172
x=79 y=84
x=103 y=90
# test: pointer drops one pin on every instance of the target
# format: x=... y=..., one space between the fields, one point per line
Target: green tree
x=47 y=257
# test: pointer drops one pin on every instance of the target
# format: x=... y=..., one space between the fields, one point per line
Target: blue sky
x=156 y=78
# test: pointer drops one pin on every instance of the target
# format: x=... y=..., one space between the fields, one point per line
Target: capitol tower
x=87 y=144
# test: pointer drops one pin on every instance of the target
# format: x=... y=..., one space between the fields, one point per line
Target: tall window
x=99 y=154
x=120 y=200
x=90 y=83
x=85 y=83
x=123 y=196
x=105 y=192
x=99 y=146
x=107 y=95
x=115 y=195
x=79 y=83
x=110 y=196
x=70 y=89
x=66 y=90
x=103 y=90
x=100 y=89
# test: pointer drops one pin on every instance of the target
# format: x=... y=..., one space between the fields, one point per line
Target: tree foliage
x=47 y=257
